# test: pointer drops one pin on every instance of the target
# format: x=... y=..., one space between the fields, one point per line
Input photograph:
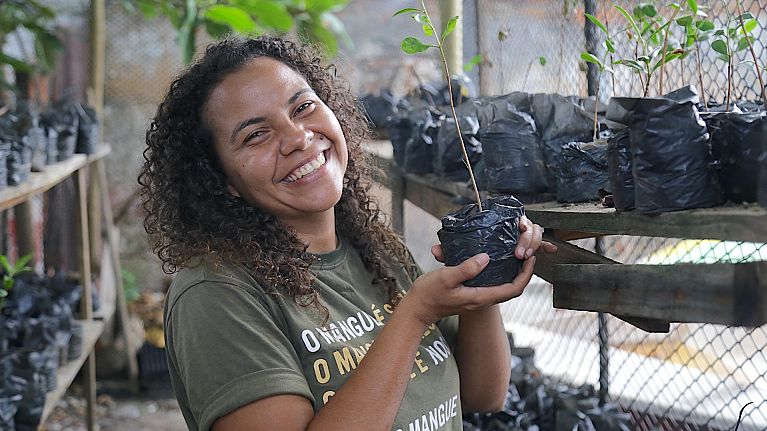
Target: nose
x=295 y=137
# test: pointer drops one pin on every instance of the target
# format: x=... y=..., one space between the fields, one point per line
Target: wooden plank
x=39 y=182
x=736 y=223
x=729 y=294
x=66 y=374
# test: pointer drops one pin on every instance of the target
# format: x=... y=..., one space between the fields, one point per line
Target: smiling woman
x=256 y=193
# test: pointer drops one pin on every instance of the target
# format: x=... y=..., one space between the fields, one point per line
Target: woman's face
x=281 y=148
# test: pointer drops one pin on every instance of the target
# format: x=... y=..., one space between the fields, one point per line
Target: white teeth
x=306 y=169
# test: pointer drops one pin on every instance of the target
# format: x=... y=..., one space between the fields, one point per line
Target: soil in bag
x=494 y=231
x=620 y=169
x=512 y=151
x=582 y=171
x=673 y=165
x=738 y=144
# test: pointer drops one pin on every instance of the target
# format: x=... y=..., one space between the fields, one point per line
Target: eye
x=256 y=135
x=305 y=107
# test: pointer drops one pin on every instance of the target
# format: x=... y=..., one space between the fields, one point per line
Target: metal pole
x=592 y=44
x=604 y=346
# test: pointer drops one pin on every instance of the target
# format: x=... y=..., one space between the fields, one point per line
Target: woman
x=256 y=191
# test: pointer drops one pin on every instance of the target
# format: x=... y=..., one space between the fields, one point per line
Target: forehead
x=261 y=81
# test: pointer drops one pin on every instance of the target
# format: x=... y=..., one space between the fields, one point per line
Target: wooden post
x=25 y=231
x=454 y=43
x=98 y=48
x=86 y=305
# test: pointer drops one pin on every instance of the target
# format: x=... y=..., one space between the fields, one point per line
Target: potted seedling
x=696 y=29
x=489 y=226
x=671 y=156
x=738 y=138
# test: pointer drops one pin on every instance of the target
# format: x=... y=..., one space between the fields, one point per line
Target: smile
x=306 y=169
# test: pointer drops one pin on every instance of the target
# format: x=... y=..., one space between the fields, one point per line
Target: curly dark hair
x=189 y=212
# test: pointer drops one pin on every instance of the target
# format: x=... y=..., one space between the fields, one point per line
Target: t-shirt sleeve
x=229 y=350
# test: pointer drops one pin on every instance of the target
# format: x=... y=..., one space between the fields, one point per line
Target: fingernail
x=520 y=252
x=482 y=258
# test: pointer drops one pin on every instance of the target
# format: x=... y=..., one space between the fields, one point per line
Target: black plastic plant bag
x=620 y=169
x=19 y=162
x=379 y=108
x=673 y=165
x=63 y=118
x=419 y=148
x=400 y=130
x=5 y=149
x=560 y=120
x=449 y=161
x=582 y=171
x=87 y=130
x=31 y=133
x=9 y=404
x=512 y=151
x=738 y=144
x=494 y=231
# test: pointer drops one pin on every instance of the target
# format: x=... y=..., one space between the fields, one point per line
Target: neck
x=319 y=232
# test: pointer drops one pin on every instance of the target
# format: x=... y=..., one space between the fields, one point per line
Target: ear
x=232 y=190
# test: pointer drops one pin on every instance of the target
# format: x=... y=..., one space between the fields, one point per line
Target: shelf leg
x=86 y=306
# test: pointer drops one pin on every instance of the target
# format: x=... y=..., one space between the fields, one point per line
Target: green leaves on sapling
x=449 y=27
x=411 y=45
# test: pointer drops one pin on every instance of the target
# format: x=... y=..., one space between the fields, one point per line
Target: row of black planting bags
x=654 y=155
x=30 y=140
x=37 y=334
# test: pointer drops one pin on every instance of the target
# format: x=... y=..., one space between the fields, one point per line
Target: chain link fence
x=697 y=376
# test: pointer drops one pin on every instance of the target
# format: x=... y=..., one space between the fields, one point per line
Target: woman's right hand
x=440 y=293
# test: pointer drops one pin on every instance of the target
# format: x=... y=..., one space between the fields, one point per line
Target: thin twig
x=665 y=47
x=452 y=109
x=700 y=75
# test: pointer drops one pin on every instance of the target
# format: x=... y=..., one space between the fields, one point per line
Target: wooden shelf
x=39 y=182
x=66 y=374
x=648 y=296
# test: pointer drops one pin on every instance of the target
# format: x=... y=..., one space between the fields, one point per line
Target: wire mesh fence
x=697 y=376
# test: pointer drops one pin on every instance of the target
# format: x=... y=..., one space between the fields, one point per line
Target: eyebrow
x=250 y=121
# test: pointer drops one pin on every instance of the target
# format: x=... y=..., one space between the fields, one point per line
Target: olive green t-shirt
x=230 y=342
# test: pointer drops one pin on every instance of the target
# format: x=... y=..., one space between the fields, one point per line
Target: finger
x=436 y=251
x=549 y=247
x=468 y=269
x=481 y=297
x=525 y=237
x=537 y=238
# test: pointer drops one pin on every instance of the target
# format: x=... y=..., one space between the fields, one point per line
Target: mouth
x=307 y=168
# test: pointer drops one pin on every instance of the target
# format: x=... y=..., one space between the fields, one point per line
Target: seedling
x=412 y=45
x=745 y=29
x=733 y=38
x=696 y=30
x=600 y=63
x=10 y=273
x=645 y=26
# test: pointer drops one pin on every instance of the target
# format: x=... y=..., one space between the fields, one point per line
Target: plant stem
x=753 y=54
x=663 y=51
x=452 y=109
x=700 y=76
x=596 y=107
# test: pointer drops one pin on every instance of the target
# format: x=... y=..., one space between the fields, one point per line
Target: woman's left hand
x=531 y=240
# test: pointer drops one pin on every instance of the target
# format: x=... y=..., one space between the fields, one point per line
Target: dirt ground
x=118 y=413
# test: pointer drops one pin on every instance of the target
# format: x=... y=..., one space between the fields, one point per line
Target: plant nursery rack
x=78 y=166
x=647 y=296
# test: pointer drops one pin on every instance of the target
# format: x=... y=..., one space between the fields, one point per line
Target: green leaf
x=428 y=31
x=629 y=18
x=644 y=58
x=685 y=21
x=724 y=57
x=273 y=15
x=412 y=45
x=542 y=60
x=669 y=59
x=609 y=45
x=407 y=10
x=749 y=26
x=3 y=293
x=186 y=31
x=477 y=59
x=720 y=46
x=689 y=41
x=597 y=23
x=148 y=10
x=315 y=32
x=15 y=63
x=449 y=28
x=5 y=264
x=234 y=17
x=216 y=30
x=422 y=18
x=590 y=58
x=693 y=5
x=320 y=6
x=21 y=264
x=745 y=16
x=648 y=10
x=743 y=43
x=704 y=25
